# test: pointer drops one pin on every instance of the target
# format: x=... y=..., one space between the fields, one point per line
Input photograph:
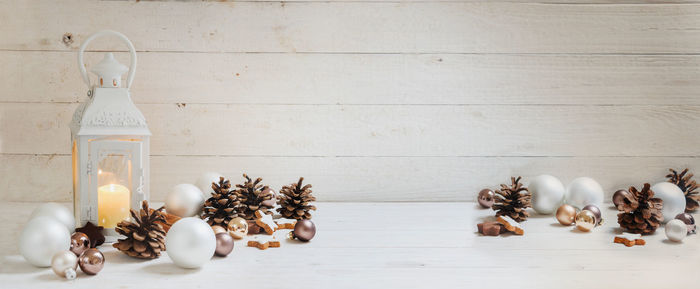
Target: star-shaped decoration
x=94 y=233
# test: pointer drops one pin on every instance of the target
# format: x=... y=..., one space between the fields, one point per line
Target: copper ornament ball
x=585 y=221
x=689 y=222
x=91 y=261
x=596 y=212
x=566 y=214
x=79 y=242
x=218 y=229
x=238 y=228
x=486 y=198
x=304 y=230
x=224 y=244
x=619 y=197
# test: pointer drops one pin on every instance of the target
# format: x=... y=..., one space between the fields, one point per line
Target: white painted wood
x=395 y=245
x=378 y=130
x=367 y=78
x=483 y=27
x=357 y=179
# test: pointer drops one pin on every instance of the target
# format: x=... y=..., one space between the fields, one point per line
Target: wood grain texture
x=437 y=244
x=43 y=178
x=38 y=76
x=378 y=130
x=420 y=27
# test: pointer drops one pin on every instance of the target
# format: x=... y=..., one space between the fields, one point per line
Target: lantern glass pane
x=113 y=189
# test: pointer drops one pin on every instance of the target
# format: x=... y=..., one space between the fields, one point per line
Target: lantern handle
x=132 y=51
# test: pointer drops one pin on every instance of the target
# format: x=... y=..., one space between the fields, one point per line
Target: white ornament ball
x=676 y=230
x=184 y=200
x=673 y=197
x=57 y=212
x=205 y=180
x=547 y=194
x=584 y=191
x=190 y=243
x=41 y=238
x=64 y=264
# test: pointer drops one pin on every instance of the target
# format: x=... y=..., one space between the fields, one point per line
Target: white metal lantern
x=110 y=145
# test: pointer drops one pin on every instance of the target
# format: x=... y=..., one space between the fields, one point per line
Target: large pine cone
x=640 y=211
x=294 y=201
x=251 y=194
x=223 y=204
x=145 y=236
x=685 y=182
x=513 y=200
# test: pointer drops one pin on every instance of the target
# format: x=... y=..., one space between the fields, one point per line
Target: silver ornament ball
x=547 y=194
x=64 y=264
x=191 y=242
x=672 y=197
x=676 y=230
x=41 y=238
x=57 y=212
x=184 y=200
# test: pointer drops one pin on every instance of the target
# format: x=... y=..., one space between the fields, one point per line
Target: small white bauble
x=584 y=191
x=41 y=238
x=547 y=194
x=676 y=230
x=64 y=264
x=673 y=197
x=205 y=180
x=184 y=200
x=190 y=243
x=57 y=212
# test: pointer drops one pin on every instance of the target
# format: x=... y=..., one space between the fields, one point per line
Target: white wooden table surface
x=393 y=245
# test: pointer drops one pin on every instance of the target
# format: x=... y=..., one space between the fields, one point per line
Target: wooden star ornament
x=94 y=233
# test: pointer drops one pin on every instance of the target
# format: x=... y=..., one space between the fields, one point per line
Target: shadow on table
x=118 y=257
x=168 y=269
x=17 y=264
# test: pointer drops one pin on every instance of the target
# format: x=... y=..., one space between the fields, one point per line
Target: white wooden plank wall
x=369 y=100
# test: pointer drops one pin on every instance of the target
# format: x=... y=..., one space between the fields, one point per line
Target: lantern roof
x=109 y=67
x=109 y=111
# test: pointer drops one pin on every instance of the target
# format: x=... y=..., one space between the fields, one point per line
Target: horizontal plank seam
x=376 y=156
x=650 y=105
x=379 y=53
x=445 y=1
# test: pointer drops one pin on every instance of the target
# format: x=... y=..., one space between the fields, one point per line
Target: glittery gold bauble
x=566 y=214
x=238 y=228
x=218 y=229
x=585 y=220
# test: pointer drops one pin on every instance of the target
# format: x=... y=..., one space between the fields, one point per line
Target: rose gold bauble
x=91 y=261
x=486 y=198
x=566 y=214
x=218 y=229
x=238 y=228
x=619 y=196
x=596 y=212
x=271 y=202
x=304 y=230
x=79 y=242
x=224 y=244
x=585 y=221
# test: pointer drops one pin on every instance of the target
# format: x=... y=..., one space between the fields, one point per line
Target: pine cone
x=145 y=237
x=294 y=201
x=640 y=211
x=251 y=194
x=688 y=186
x=223 y=204
x=512 y=200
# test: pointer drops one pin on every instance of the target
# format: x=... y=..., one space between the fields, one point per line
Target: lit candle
x=112 y=205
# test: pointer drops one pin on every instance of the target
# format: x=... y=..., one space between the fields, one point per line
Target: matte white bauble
x=190 y=243
x=41 y=238
x=57 y=212
x=184 y=200
x=205 y=180
x=584 y=191
x=547 y=194
x=673 y=197
x=676 y=230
